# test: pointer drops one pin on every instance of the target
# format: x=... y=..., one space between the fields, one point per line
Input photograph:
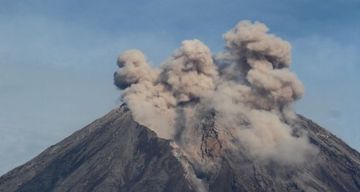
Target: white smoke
x=249 y=86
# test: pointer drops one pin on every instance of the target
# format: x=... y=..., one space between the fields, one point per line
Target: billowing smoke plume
x=150 y=101
x=248 y=90
x=190 y=73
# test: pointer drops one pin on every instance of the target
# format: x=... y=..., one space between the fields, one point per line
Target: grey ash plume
x=249 y=87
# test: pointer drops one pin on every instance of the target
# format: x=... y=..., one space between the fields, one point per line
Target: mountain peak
x=115 y=153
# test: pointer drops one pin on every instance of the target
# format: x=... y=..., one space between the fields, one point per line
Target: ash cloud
x=190 y=73
x=248 y=86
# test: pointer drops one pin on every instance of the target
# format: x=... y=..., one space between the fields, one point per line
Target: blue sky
x=57 y=58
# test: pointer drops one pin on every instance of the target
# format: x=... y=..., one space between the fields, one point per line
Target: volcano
x=200 y=122
x=115 y=153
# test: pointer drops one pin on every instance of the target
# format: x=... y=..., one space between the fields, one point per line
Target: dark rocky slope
x=114 y=153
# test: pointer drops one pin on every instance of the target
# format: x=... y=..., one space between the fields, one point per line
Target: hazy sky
x=57 y=59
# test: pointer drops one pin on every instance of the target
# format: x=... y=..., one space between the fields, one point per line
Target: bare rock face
x=114 y=153
x=335 y=168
